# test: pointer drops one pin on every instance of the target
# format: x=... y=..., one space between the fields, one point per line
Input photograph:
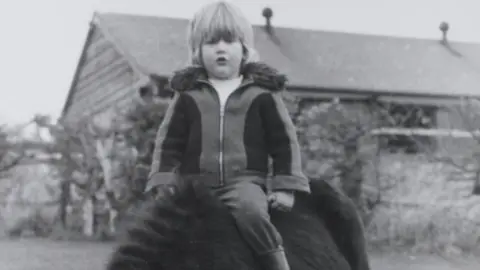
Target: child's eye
x=225 y=36
x=212 y=41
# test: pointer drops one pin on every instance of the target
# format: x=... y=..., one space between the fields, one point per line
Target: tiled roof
x=317 y=59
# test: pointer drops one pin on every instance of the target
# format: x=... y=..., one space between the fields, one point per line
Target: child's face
x=222 y=57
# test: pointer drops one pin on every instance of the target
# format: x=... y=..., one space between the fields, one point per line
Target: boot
x=275 y=261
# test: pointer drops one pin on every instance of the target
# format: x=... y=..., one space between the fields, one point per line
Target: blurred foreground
x=33 y=254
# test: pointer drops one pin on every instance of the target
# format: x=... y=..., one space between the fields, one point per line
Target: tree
x=66 y=153
x=467 y=137
x=89 y=158
x=469 y=113
x=142 y=122
x=338 y=144
x=461 y=138
x=22 y=173
x=329 y=135
x=114 y=159
x=12 y=151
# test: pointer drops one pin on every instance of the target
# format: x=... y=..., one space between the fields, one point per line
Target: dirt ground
x=28 y=254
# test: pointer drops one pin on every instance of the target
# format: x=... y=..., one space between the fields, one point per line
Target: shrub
x=425 y=211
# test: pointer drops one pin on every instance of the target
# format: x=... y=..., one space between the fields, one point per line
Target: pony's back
x=193 y=230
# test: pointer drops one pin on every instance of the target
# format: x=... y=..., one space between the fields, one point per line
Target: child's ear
x=245 y=55
x=249 y=55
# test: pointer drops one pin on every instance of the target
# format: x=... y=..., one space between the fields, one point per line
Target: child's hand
x=282 y=200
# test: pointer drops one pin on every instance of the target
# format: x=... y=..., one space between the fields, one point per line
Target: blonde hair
x=215 y=18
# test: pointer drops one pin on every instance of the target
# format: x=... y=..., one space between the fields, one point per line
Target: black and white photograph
x=240 y=135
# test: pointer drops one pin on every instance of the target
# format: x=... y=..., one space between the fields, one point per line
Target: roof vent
x=444 y=28
x=268 y=13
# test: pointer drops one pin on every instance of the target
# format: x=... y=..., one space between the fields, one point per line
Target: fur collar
x=260 y=74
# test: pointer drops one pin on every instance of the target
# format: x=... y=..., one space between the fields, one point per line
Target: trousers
x=247 y=201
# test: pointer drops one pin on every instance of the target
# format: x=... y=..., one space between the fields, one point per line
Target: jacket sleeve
x=283 y=146
x=169 y=145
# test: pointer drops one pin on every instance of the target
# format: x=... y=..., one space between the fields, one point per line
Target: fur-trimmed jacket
x=194 y=139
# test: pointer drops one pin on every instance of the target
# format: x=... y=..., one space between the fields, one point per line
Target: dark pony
x=191 y=229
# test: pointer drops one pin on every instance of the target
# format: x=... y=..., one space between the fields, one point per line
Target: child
x=225 y=120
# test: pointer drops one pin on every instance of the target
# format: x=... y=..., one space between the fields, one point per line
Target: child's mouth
x=221 y=60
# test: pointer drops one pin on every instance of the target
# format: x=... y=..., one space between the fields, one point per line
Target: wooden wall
x=105 y=78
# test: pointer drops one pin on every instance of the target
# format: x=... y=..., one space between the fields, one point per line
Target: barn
x=123 y=51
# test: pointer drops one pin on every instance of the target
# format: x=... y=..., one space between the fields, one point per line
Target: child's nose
x=221 y=45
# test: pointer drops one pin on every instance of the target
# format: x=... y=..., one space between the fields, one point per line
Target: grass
x=33 y=254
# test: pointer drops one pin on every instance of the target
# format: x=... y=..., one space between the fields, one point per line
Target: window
x=408 y=116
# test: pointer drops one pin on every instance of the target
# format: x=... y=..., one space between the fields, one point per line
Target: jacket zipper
x=221 y=132
x=220 y=155
x=221 y=128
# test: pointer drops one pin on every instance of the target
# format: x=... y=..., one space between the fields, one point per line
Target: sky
x=42 y=39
